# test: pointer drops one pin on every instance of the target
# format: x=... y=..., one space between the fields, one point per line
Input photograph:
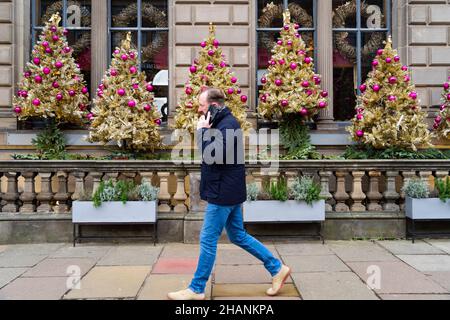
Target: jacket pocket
x=212 y=186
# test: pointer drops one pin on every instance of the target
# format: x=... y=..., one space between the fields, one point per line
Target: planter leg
x=155 y=234
x=413 y=230
x=320 y=232
x=74 y=234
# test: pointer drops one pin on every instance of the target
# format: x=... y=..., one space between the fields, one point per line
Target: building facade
x=343 y=35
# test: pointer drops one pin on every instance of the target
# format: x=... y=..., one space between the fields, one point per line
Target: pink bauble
x=84 y=90
x=55 y=85
x=116 y=51
x=48 y=50
x=284 y=103
x=263 y=80
x=296 y=26
x=238 y=91
x=359 y=133
x=272 y=62
x=132 y=103
x=59 y=97
x=101 y=86
x=100 y=93
x=278 y=82
x=374 y=63
x=45 y=44
x=388 y=60
x=435 y=126
x=223 y=64
x=309 y=92
x=379 y=52
x=293 y=66
x=121 y=92
x=307 y=60
x=263 y=98
x=203 y=44
x=438 y=119
x=147 y=107
x=124 y=57
x=215 y=43
x=362 y=87
x=442 y=108
x=279 y=42
x=17 y=109
x=404 y=68
x=322 y=104
x=392 y=80
x=188 y=90
x=317 y=80
x=193 y=69
x=36 y=102
x=149 y=88
x=392 y=98
x=58 y=64
x=289 y=43
x=132 y=55
x=66 y=49
x=55 y=38
x=376 y=88
x=53 y=29
x=135 y=86
x=133 y=69
x=396 y=58
x=304 y=112
x=233 y=79
x=90 y=116
x=286 y=27
x=71 y=93
x=359 y=116
x=230 y=90
x=113 y=72
x=281 y=61
x=46 y=70
x=446 y=85
x=305 y=84
x=27 y=74
x=38 y=79
x=189 y=105
x=158 y=121
x=210 y=53
x=24 y=93
x=36 y=61
x=210 y=67
x=413 y=95
x=244 y=98
x=448 y=97
x=406 y=78
x=324 y=94
x=300 y=52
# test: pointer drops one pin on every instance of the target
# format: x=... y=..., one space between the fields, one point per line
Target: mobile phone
x=213 y=110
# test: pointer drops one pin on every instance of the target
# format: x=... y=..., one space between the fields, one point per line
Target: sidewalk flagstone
x=157 y=286
x=398 y=247
x=175 y=266
x=315 y=263
x=415 y=296
x=298 y=249
x=332 y=285
x=9 y=274
x=90 y=251
x=131 y=255
x=243 y=274
x=181 y=251
x=60 y=267
x=110 y=282
x=360 y=251
x=16 y=259
x=51 y=288
x=443 y=245
x=238 y=256
x=3 y=248
x=251 y=290
x=396 y=277
x=425 y=263
x=34 y=248
x=442 y=278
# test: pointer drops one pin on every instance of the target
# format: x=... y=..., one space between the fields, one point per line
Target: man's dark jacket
x=223 y=182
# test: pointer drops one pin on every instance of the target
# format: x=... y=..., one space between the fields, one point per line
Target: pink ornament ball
x=317 y=80
x=114 y=72
x=238 y=91
x=89 y=116
x=27 y=74
x=322 y=104
x=149 y=88
x=45 y=44
x=147 y=107
x=324 y=94
x=413 y=95
x=263 y=98
x=101 y=86
x=55 y=38
x=132 y=55
x=438 y=119
x=374 y=63
x=100 y=93
x=135 y=86
x=48 y=50
x=289 y=43
x=388 y=60
x=281 y=61
x=362 y=87
x=36 y=61
x=244 y=99
x=309 y=92
x=203 y=44
x=304 y=112
x=300 y=52
x=158 y=121
x=263 y=80
x=121 y=92
x=124 y=57
x=53 y=29
x=215 y=43
x=376 y=88
x=442 y=108
x=305 y=84
x=58 y=64
x=272 y=62
x=38 y=79
x=233 y=79
x=36 y=102
x=230 y=90
x=46 y=70
x=133 y=69
x=396 y=58
x=59 y=97
x=297 y=35
x=446 y=85
x=359 y=133
x=392 y=80
x=293 y=66
x=448 y=97
x=193 y=69
x=84 y=90
x=279 y=42
x=286 y=27
x=307 y=60
x=210 y=53
x=278 y=82
x=116 y=51
x=55 y=85
x=223 y=64
x=188 y=90
x=359 y=116
x=71 y=93
x=17 y=109
x=131 y=103
x=379 y=52
x=66 y=49
x=296 y=26
x=392 y=98
x=284 y=103
x=404 y=68
x=210 y=67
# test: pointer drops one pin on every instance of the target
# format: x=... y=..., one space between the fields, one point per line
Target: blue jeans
x=216 y=218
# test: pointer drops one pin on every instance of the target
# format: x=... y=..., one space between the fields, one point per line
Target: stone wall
x=6 y=64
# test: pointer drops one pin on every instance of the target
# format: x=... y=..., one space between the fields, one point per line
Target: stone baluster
x=258 y=178
x=46 y=195
x=425 y=176
x=357 y=194
x=180 y=195
x=195 y=203
x=164 y=195
x=146 y=177
x=96 y=179
x=407 y=176
x=273 y=177
x=62 y=196
x=325 y=189
x=439 y=175
x=341 y=195
x=28 y=195
x=111 y=176
x=291 y=176
x=390 y=194
x=79 y=185
x=12 y=193
x=374 y=195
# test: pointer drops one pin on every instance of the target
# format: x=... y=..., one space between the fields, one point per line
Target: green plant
x=277 y=190
x=368 y=152
x=305 y=189
x=443 y=188
x=50 y=143
x=252 y=191
x=147 y=192
x=416 y=188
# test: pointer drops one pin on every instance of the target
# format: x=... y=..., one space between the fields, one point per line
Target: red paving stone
x=175 y=266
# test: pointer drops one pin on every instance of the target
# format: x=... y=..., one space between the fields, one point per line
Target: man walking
x=223 y=187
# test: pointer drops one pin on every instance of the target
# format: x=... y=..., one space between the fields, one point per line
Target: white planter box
x=429 y=208
x=287 y=211
x=114 y=212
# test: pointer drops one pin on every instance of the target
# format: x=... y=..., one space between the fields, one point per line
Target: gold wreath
x=340 y=38
x=149 y=13
x=272 y=11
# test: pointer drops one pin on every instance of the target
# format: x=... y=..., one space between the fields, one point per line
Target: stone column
x=45 y=196
x=290 y=178
x=99 y=42
x=391 y=195
x=407 y=175
x=325 y=61
x=96 y=178
x=28 y=195
x=195 y=203
x=325 y=189
x=357 y=194
x=374 y=196
x=62 y=196
x=79 y=185
x=180 y=196
x=164 y=195
x=341 y=195
x=146 y=177
x=12 y=193
x=439 y=175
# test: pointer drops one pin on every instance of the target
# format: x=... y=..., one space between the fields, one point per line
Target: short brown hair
x=214 y=95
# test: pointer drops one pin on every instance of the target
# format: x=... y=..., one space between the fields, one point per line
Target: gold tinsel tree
x=387 y=111
x=123 y=109
x=442 y=121
x=291 y=86
x=53 y=85
x=210 y=70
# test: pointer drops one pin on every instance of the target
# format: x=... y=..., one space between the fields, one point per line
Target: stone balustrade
x=30 y=187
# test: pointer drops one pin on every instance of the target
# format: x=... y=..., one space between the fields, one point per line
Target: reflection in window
x=359 y=29
x=76 y=18
x=148 y=23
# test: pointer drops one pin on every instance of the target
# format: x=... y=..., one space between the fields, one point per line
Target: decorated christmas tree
x=210 y=70
x=291 y=86
x=442 y=121
x=388 y=114
x=124 y=109
x=53 y=85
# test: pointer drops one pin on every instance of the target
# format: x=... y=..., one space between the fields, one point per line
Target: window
x=148 y=23
x=76 y=18
x=270 y=21
x=359 y=29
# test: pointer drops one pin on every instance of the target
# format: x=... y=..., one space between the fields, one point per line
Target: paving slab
x=251 y=290
x=180 y=251
x=110 y=282
x=35 y=248
x=243 y=274
x=332 y=286
x=407 y=247
x=87 y=251
x=3 y=248
x=9 y=274
x=395 y=277
x=136 y=255
x=360 y=251
x=330 y=263
x=175 y=266
x=238 y=256
x=442 y=278
x=426 y=263
x=60 y=267
x=443 y=245
x=300 y=249
x=157 y=286
x=415 y=296
x=19 y=259
x=52 y=288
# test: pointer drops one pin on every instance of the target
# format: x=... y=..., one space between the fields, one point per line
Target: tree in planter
x=442 y=121
x=124 y=109
x=210 y=70
x=388 y=114
x=53 y=86
x=291 y=91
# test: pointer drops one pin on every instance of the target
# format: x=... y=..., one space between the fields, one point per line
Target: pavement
x=368 y=270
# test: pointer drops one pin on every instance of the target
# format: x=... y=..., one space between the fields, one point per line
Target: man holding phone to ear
x=223 y=186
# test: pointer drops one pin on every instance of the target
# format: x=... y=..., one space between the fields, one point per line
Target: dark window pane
x=270 y=13
x=344 y=14
x=78 y=14
x=302 y=12
x=124 y=13
x=45 y=9
x=154 y=14
x=373 y=13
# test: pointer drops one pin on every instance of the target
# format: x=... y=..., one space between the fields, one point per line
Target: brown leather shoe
x=186 y=294
x=278 y=280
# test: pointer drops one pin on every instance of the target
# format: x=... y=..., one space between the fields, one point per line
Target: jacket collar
x=220 y=115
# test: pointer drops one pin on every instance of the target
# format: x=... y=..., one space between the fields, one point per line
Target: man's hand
x=204 y=122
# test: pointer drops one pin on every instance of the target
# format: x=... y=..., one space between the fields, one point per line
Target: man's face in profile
x=203 y=108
